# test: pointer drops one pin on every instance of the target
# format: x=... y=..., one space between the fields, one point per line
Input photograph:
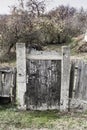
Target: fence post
x=65 y=77
x=21 y=74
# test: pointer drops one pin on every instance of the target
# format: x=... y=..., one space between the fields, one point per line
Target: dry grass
x=11 y=119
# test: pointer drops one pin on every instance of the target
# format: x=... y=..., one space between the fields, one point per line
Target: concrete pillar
x=21 y=74
x=65 y=77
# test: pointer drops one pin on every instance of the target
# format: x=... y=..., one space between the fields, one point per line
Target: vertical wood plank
x=72 y=74
x=7 y=84
x=14 y=86
x=79 y=79
x=84 y=93
x=0 y=83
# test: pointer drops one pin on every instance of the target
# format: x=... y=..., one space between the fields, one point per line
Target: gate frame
x=21 y=76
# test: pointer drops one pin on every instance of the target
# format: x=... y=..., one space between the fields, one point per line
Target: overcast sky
x=4 y=4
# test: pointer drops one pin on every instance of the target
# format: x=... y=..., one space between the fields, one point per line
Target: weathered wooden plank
x=44 y=55
x=84 y=92
x=5 y=70
x=79 y=80
x=72 y=75
x=76 y=77
x=14 y=87
x=0 y=83
x=82 y=79
x=7 y=84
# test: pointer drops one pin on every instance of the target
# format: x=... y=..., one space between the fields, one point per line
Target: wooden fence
x=50 y=80
x=8 y=83
x=78 y=85
x=42 y=78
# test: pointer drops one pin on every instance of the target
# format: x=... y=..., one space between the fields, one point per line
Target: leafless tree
x=36 y=7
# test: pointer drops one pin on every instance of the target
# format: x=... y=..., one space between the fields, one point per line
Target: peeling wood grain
x=44 y=82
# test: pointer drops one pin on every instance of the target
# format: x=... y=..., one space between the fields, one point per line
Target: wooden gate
x=43 y=84
x=45 y=80
x=42 y=78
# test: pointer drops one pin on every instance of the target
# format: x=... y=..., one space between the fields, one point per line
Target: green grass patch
x=12 y=119
x=27 y=119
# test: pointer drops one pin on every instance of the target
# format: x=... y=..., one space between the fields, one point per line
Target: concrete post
x=65 y=77
x=21 y=74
